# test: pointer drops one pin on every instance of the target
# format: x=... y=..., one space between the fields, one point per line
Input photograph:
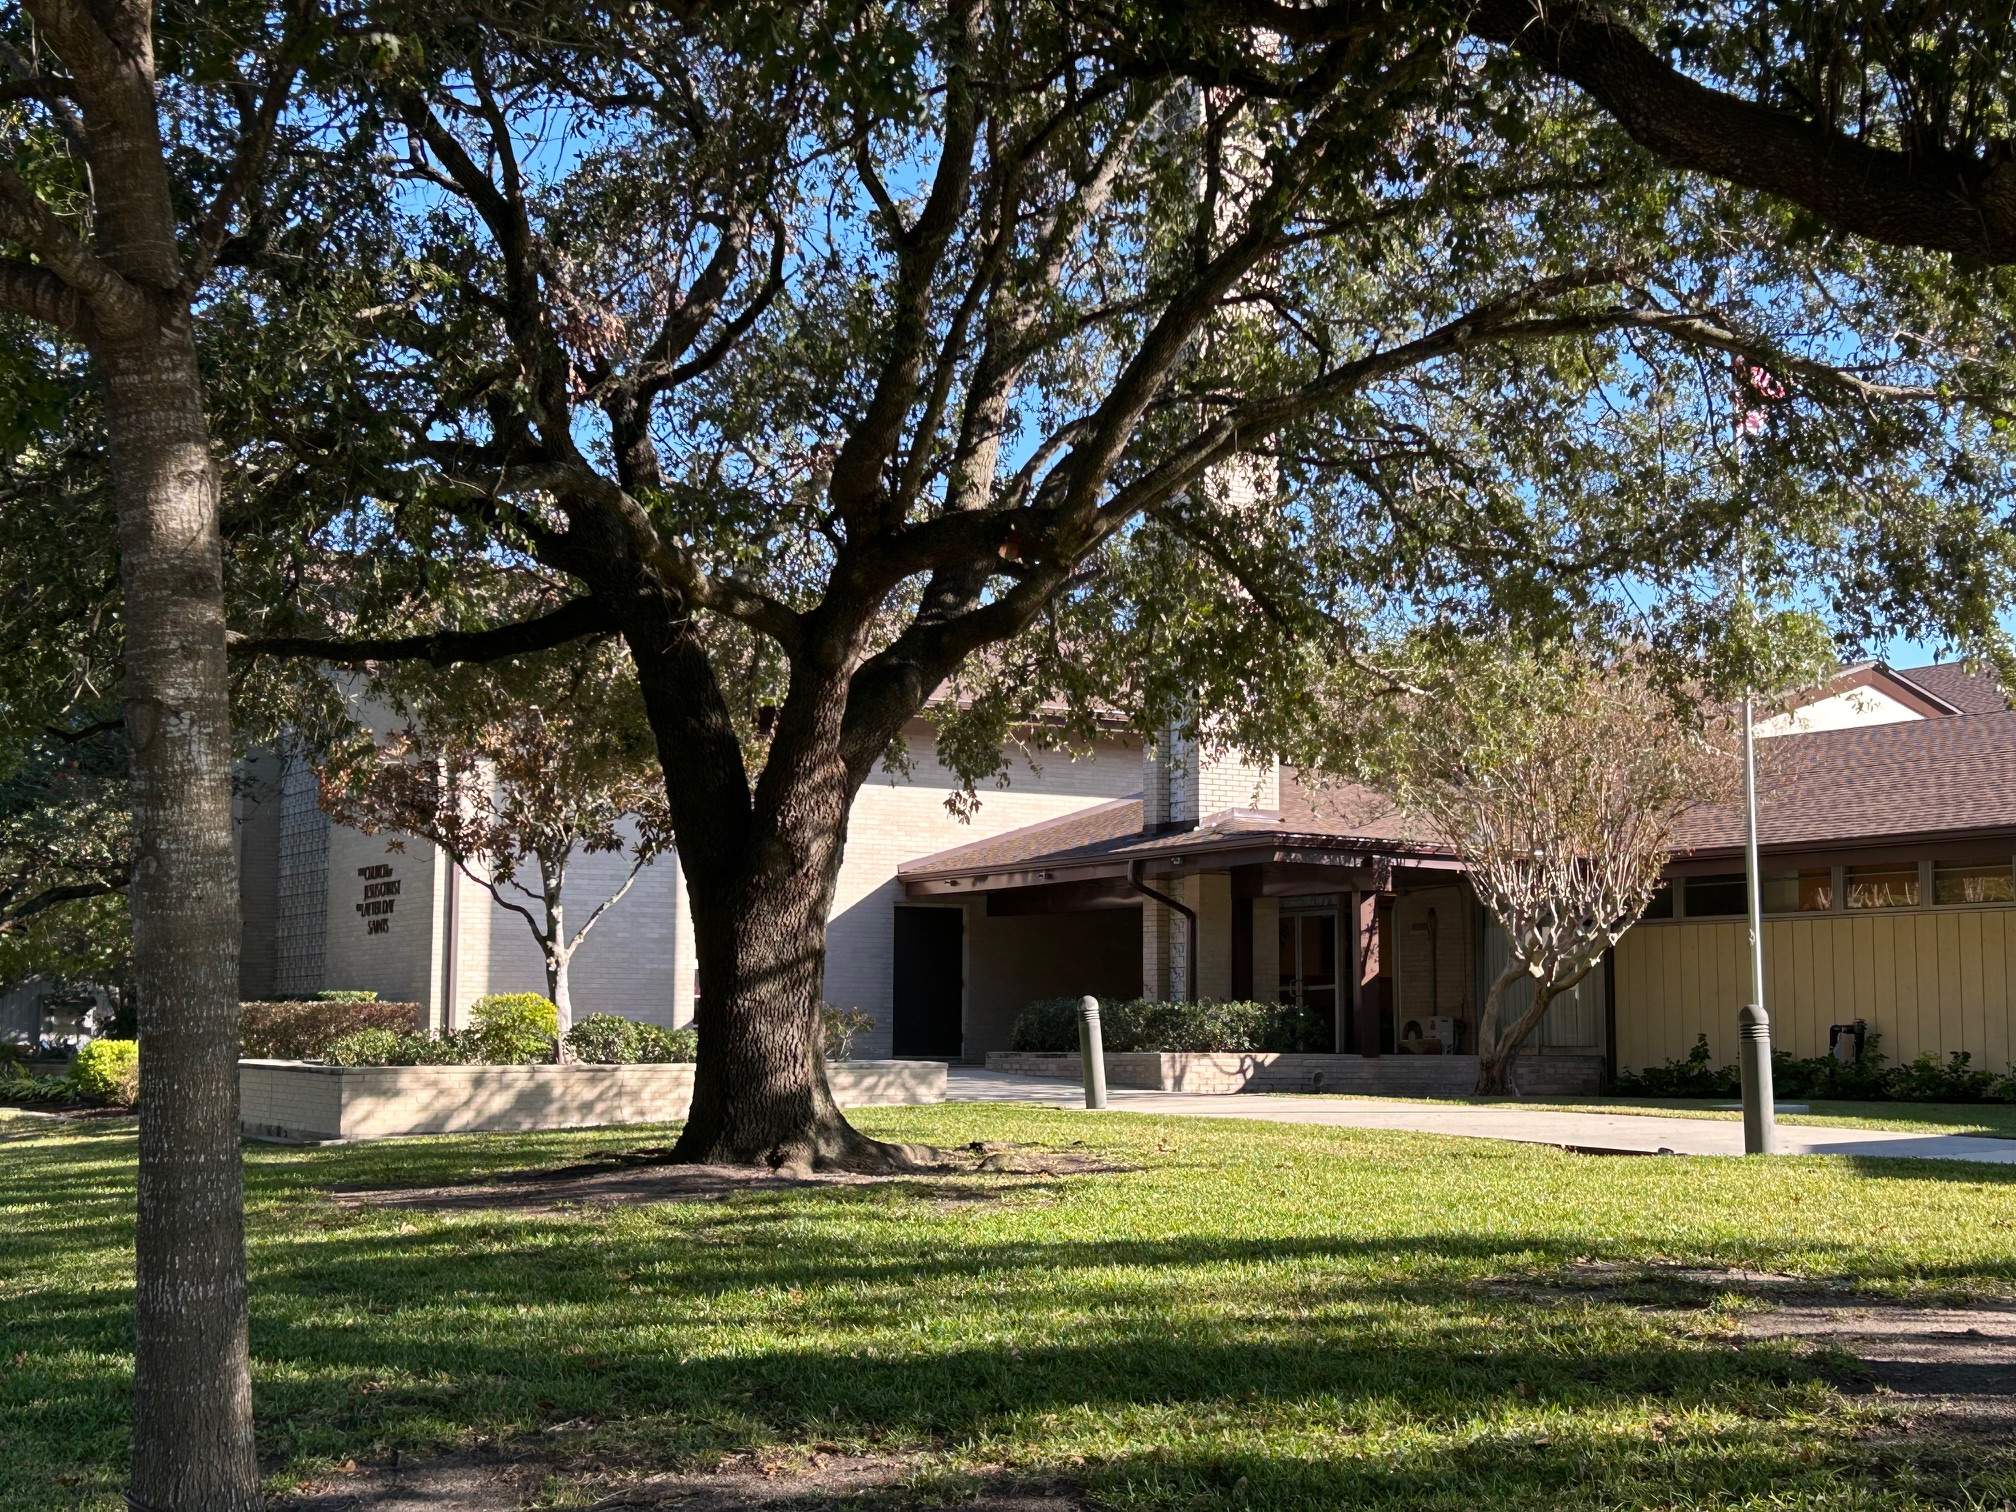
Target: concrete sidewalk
x=1595 y=1133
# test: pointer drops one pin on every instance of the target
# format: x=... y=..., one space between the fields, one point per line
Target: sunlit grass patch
x=1237 y=1314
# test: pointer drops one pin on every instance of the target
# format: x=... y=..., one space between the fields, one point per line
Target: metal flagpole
x=1753 y=1023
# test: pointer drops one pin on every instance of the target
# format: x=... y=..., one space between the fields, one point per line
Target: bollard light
x=1092 y=1052
x=1760 y=1118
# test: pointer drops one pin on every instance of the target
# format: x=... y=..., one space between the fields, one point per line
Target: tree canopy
x=842 y=358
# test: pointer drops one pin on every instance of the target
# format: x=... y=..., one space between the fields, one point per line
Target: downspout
x=1189 y=925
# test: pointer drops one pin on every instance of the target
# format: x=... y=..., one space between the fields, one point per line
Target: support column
x=1367 y=996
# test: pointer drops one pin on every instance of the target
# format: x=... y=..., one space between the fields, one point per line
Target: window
x=1972 y=882
x=1886 y=886
x=1725 y=894
x=1661 y=905
x=1809 y=890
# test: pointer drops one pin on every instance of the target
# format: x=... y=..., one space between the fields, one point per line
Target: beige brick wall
x=902 y=816
x=291 y=1101
x=625 y=966
x=398 y=961
x=638 y=961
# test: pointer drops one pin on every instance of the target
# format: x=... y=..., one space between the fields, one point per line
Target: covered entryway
x=930 y=985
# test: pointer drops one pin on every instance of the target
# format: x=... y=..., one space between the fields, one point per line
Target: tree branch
x=1941 y=199
x=571 y=621
x=254 y=141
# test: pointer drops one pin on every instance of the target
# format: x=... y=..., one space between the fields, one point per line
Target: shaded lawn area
x=1248 y=1315
x=1995 y=1119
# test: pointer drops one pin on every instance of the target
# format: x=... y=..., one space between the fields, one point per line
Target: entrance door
x=930 y=983
x=1309 y=961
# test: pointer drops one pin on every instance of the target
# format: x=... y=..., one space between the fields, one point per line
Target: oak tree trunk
x=192 y=1395
x=760 y=870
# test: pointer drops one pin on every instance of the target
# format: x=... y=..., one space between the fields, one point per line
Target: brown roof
x=1875 y=783
x=1342 y=817
x=1831 y=789
x=1951 y=682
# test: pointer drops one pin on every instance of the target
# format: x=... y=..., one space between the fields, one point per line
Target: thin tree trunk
x=192 y=1395
x=557 y=963
x=1496 y=1050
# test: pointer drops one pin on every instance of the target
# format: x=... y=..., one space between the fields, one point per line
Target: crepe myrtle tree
x=1560 y=779
x=864 y=351
x=112 y=224
x=516 y=777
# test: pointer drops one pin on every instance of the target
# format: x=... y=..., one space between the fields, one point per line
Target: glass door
x=1309 y=961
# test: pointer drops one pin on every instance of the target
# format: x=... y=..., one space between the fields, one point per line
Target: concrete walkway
x=1593 y=1133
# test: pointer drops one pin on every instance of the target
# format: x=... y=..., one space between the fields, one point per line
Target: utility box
x=1449 y=1031
x=1845 y=1041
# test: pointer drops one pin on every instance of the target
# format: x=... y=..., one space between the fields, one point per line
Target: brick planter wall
x=1387 y=1076
x=301 y=1101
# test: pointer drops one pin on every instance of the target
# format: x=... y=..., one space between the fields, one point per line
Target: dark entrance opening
x=930 y=983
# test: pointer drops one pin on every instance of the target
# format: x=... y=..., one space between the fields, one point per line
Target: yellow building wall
x=1927 y=980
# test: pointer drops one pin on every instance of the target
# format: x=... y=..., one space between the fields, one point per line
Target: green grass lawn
x=1249 y=1314
x=1996 y=1119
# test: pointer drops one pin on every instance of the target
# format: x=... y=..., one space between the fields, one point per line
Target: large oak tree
x=836 y=357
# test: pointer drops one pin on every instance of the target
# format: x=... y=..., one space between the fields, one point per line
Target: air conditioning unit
x=1449 y=1031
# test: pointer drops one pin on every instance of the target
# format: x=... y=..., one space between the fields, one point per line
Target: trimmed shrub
x=515 y=1027
x=1204 y=1027
x=109 y=1070
x=305 y=1029
x=382 y=1047
x=603 y=1039
x=346 y=995
x=366 y=1047
x=660 y=1046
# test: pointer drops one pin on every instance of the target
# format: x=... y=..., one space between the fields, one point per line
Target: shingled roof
x=1952 y=683
x=1874 y=784
x=1831 y=789
x=1341 y=817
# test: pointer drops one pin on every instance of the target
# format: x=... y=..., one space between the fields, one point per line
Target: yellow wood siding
x=1927 y=980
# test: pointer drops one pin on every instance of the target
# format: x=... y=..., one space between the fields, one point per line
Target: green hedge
x=305 y=1029
x=606 y=1040
x=1869 y=1079
x=1136 y=1024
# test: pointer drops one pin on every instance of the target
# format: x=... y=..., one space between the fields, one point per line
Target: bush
x=109 y=1070
x=515 y=1027
x=383 y=1047
x=20 y=1085
x=366 y=1047
x=1206 y=1026
x=1824 y=1077
x=458 y=1049
x=346 y=995
x=603 y=1039
x=666 y=1046
x=1692 y=1077
x=1925 y=1080
x=304 y=1030
x=841 y=1026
